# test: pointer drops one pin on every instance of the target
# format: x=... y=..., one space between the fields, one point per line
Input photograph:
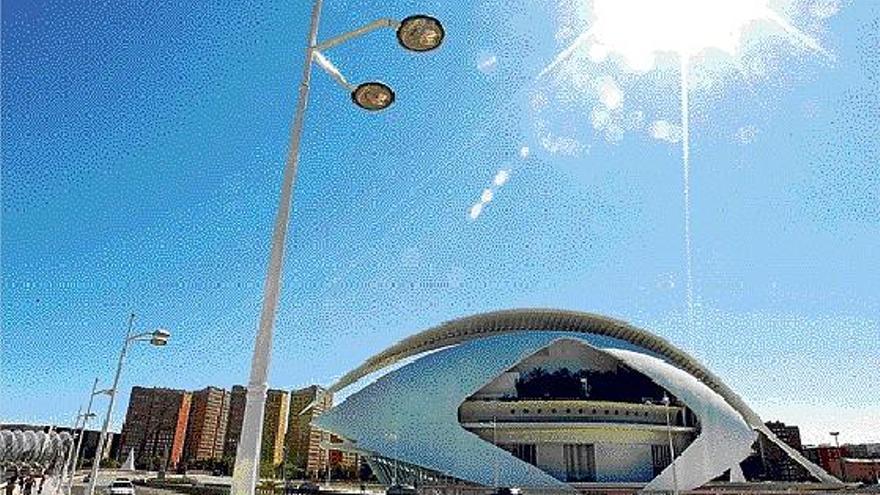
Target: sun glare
x=637 y=31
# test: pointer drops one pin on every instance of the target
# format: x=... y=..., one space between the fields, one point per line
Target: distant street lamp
x=418 y=33
x=284 y=451
x=394 y=438
x=840 y=462
x=82 y=432
x=666 y=404
x=158 y=337
x=585 y=387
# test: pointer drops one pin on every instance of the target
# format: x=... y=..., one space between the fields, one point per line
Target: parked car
x=401 y=490
x=121 y=486
x=507 y=490
x=308 y=487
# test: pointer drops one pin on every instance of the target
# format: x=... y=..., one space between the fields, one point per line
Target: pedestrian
x=10 y=484
x=28 y=485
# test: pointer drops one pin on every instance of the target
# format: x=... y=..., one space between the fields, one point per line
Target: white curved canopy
x=35 y=447
x=530 y=320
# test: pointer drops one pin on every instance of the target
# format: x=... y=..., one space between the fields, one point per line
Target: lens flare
x=636 y=32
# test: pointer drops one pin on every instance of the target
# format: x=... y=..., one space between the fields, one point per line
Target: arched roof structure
x=539 y=319
x=528 y=320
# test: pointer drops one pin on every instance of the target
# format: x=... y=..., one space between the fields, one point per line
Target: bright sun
x=638 y=30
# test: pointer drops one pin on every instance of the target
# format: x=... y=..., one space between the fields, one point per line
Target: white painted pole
x=666 y=403
x=495 y=452
x=69 y=461
x=247 y=460
x=99 y=451
x=79 y=441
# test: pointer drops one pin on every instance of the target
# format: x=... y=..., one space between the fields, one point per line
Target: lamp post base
x=246 y=474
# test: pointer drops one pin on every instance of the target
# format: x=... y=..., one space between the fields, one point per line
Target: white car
x=120 y=487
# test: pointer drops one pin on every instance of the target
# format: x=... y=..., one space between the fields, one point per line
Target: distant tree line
x=621 y=385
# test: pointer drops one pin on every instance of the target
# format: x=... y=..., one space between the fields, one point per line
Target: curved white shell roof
x=530 y=320
x=412 y=413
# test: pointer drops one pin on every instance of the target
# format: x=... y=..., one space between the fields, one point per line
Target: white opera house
x=546 y=400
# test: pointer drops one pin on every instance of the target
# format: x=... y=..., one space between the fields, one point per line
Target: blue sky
x=142 y=150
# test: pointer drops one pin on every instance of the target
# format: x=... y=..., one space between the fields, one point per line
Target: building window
x=580 y=462
x=660 y=458
x=522 y=451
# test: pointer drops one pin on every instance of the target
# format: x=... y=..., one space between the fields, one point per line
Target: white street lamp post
x=394 y=439
x=495 y=452
x=68 y=461
x=415 y=33
x=840 y=462
x=82 y=431
x=666 y=403
x=158 y=338
x=328 y=461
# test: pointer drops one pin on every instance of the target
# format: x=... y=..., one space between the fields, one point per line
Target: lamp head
x=160 y=337
x=420 y=33
x=373 y=96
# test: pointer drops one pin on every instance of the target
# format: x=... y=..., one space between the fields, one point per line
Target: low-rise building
x=861 y=470
x=777 y=464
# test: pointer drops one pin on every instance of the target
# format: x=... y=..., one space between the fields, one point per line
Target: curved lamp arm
x=354 y=33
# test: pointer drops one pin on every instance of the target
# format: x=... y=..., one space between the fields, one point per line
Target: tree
x=365 y=473
x=620 y=385
x=267 y=469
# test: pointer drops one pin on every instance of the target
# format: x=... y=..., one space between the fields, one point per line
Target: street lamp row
x=417 y=33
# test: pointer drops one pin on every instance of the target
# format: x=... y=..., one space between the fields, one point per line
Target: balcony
x=572 y=412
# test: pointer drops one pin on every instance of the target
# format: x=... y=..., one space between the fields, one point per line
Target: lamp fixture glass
x=373 y=96
x=420 y=33
x=160 y=337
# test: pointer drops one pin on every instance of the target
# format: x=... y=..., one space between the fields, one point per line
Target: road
x=107 y=476
x=140 y=490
